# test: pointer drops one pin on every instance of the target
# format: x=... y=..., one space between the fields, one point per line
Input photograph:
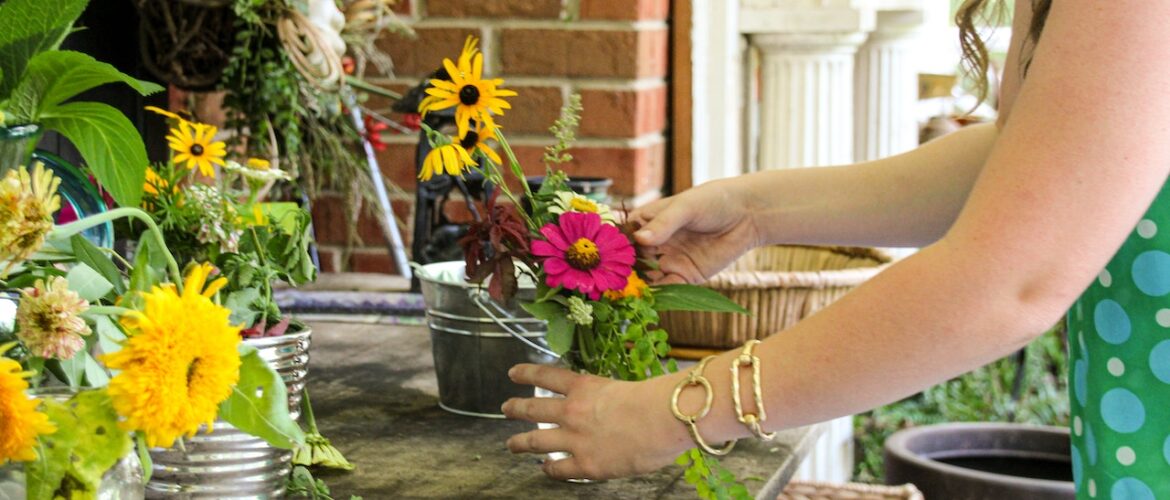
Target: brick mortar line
x=616 y=84
x=545 y=24
x=530 y=140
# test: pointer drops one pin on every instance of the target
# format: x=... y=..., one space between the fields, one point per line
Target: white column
x=717 y=62
x=806 y=98
x=886 y=87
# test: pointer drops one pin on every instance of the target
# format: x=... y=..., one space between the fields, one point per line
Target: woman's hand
x=699 y=232
x=611 y=428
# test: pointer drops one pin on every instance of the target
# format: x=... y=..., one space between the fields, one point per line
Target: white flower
x=580 y=312
x=568 y=201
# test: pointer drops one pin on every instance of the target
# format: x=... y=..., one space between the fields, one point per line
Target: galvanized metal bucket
x=476 y=340
x=228 y=463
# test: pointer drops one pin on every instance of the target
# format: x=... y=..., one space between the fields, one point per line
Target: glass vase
x=16 y=145
x=123 y=481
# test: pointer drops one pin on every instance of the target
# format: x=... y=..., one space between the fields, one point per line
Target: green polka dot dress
x=1119 y=370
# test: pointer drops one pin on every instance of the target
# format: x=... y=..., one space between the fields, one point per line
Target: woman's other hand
x=697 y=233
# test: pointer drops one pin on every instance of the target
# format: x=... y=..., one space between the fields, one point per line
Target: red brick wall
x=613 y=52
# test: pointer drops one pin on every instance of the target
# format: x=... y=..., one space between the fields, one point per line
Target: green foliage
x=87 y=443
x=267 y=254
x=711 y=480
x=259 y=403
x=302 y=484
x=36 y=80
x=694 y=298
x=984 y=394
x=89 y=254
x=560 y=329
x=565 y=131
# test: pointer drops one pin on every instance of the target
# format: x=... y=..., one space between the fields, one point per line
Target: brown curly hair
x=975 y=59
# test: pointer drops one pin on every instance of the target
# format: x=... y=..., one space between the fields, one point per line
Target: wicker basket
x=780 y=285
x=801 y=490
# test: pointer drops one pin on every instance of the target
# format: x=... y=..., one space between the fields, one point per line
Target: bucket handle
x=515 y=330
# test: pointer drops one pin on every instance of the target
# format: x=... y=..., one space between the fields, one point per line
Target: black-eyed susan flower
x=49 y=319
x=179 y=362
x=20 y=422
x=475 y=140
x=450 y=159
x=192 y=143
x=27 y=203
x=473 y=97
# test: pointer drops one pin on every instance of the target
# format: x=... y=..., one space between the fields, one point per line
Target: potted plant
x=149 y=356
x=37 y=81
x=588 y=283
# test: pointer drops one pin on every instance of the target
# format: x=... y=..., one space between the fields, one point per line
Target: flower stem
x=514 y=163
x=72 y=228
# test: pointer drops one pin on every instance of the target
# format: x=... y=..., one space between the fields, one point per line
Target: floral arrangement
x=591 y=285
x=110 y=354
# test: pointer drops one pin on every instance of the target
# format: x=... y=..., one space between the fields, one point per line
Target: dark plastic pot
x=982 y=460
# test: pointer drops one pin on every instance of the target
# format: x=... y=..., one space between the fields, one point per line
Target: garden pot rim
x=898 y=444
x=278 y=339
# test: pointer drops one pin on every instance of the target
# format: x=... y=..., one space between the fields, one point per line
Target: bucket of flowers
x=588 y=283
x=106 y=360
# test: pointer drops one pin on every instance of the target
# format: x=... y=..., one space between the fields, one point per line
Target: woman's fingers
x=539 y=441
x=548 y=377
x=661 y=226
x=535 y=409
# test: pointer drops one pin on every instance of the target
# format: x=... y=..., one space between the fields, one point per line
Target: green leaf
x=143 y=451
x=560 y=328
x=109 y=143
x=259 y=403
x=243 y=306
x=90 y=285
x=145 y=273
x=29 y=27
x=89 y=254
x=693 y=298
x=110 y=337
x=51 y=78
x=87 y=443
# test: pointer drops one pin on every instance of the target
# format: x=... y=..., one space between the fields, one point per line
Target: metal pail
x=471 y=343
x=228 y=463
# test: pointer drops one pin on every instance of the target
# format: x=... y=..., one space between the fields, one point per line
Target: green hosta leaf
x=560 y=328
x=89 y=254
x=29 y=27
x=87 y=443
x=693 y=298
x=109 y=143
x=89 y=284
x=51 y=78
x=259 y=403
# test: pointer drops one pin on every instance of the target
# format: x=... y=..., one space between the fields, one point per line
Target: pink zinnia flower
x=49 y=318
x=585 y=255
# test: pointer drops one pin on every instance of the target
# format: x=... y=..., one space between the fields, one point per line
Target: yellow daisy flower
x=635 y=287
x=20 y=422
x=179 y=362
x=192 y=143
x=473 y=97
x=476 y=140
x=568 y=201
x=168 y=114
x=27 y=204
x=448 y=158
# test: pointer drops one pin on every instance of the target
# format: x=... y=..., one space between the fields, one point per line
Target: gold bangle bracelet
x=696 y=378
x=752 y=421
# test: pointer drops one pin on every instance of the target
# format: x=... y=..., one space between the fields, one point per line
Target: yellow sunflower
x=179 y=362
x=473 y=97
x=20 y=422
x=192 y=143
x=448 y=158
x=476 y=140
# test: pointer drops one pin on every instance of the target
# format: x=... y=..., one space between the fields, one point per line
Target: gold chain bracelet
x=696 y=378
x=752 y=421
